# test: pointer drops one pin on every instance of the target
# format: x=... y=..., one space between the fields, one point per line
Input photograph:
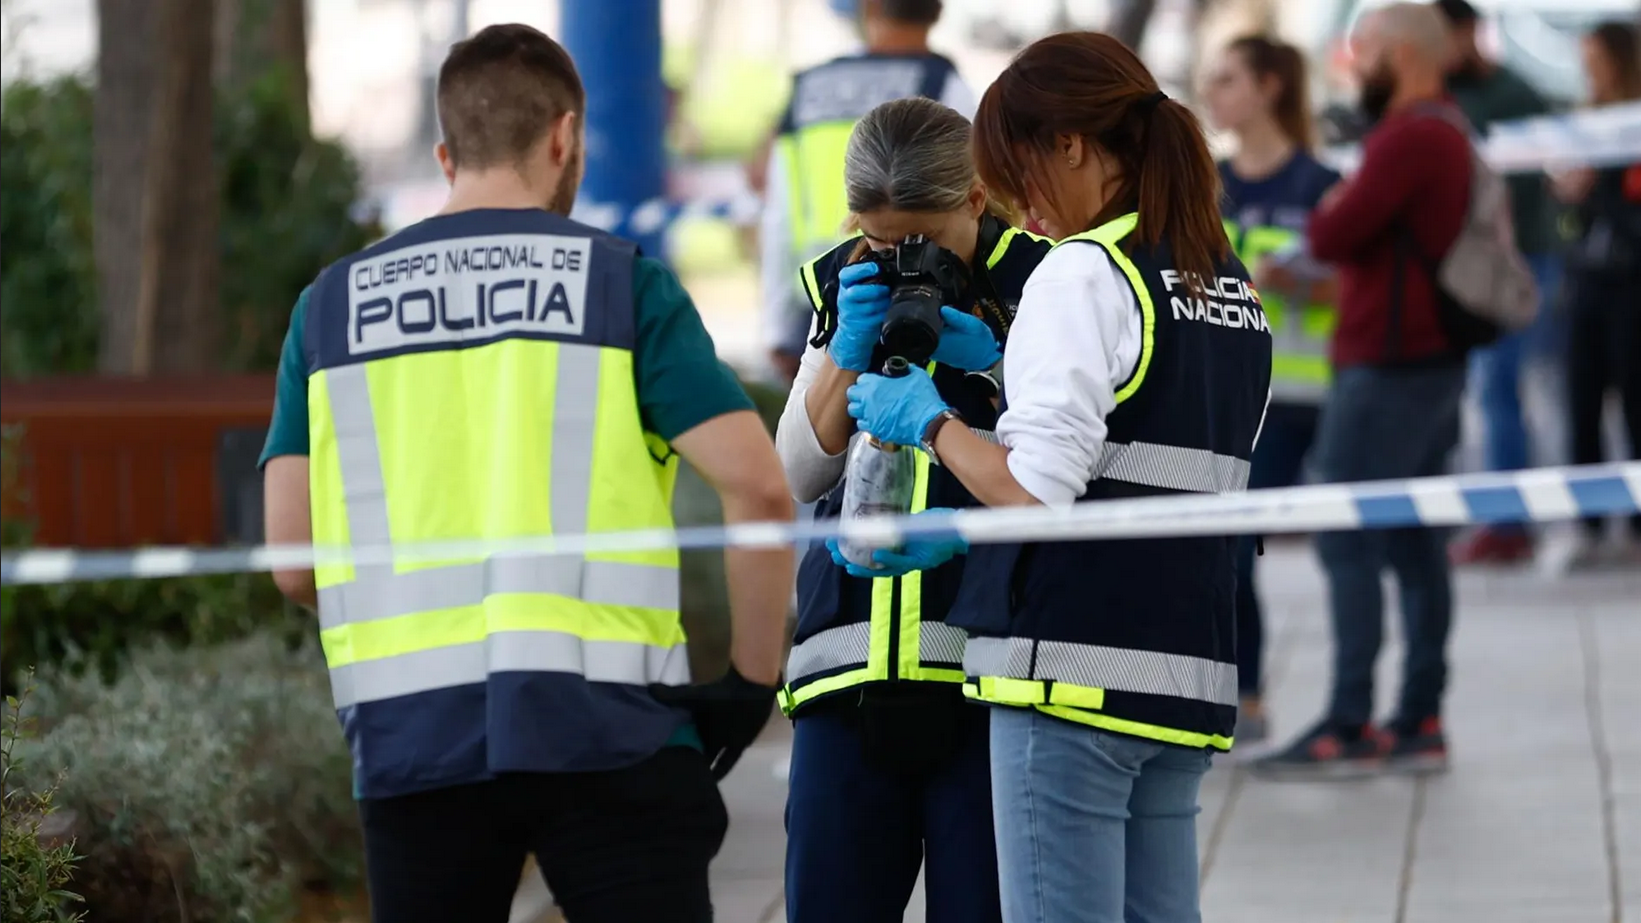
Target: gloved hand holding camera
x=966 y=343
x=729 y=714
x=862 y=305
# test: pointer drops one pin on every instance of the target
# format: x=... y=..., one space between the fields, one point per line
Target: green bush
x=33 y=873
x=208 y=784
x=90 y=625
x=287 y=201
x=47 y=274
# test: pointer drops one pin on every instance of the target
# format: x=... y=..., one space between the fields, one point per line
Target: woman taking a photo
x=1138 y=365
x=1272 y=184
x=889 y=768
x=1603 y=274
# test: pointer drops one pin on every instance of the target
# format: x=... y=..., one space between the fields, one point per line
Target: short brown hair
x=500 y=91
x=1286 y=65
x=1092 y=85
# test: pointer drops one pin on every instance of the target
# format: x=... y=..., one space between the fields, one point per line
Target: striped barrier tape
x=1599 y=137
x=1538 y=495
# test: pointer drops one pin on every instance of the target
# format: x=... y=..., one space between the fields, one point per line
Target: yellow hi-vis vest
x=814 y=133
x=472 y=378
x=1300 y=371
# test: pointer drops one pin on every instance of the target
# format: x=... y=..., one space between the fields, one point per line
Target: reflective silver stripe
x=508 y=651
x=1098 y=667
x=938 y=642
x=360 y=462
x=575 y=421
x=843 y=646
x=1172 y=467
x=849 y=646
x=607 y=582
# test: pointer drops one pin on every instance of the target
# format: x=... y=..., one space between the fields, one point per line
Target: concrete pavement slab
x=1517 y=832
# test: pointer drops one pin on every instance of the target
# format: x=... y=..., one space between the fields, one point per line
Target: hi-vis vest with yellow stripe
x=827 y=101
x=472 y=378
x=854 y=631
x=1137 y=636
x=1300 y=372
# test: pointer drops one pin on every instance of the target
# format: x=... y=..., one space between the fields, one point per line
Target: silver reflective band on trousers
x=378 y=592
x=851 y=646
x=1112 y=668
x=1172 y=467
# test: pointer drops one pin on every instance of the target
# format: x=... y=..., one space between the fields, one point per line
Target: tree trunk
x=121 y=112
x=156 y=195
x=254 y=36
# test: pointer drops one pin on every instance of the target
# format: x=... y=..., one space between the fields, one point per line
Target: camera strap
x=986 y=298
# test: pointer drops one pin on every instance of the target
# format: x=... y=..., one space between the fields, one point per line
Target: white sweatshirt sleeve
x=778 y=276
x=1075 y=340
x=810 y=471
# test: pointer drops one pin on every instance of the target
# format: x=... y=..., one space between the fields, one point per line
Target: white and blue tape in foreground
x=1539 y=495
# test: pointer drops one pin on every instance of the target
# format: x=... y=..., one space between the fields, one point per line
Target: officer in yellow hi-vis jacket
x=494 y=372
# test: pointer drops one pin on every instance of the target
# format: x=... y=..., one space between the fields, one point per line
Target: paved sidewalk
x=1539 y=820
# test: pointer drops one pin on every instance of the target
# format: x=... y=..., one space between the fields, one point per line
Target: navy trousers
x=856 y=835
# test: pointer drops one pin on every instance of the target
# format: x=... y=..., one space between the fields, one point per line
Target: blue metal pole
x=617 y=48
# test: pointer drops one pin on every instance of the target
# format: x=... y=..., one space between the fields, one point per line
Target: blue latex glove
x=895 y=410
x=861 y=309
x=966 y=343
x=915 y=554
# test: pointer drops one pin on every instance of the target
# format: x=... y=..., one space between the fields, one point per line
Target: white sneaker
x=1571 y=551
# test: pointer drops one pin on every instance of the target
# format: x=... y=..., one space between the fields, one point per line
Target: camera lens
x=913 y=325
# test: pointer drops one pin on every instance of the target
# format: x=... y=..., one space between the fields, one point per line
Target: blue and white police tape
x=1598 y=137
x=1539 y=495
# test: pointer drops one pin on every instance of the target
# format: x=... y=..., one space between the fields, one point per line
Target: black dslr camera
x=921 y=277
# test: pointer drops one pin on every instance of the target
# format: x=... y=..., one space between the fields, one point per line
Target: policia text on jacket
x=476 y=287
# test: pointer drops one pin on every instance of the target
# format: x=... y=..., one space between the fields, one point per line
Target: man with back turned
x=494 y=372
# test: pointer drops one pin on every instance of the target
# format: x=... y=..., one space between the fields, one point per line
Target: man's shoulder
x=1438 y=122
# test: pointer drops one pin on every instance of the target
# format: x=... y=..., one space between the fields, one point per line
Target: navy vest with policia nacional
x=471 y=378
x=854 y=631
x=1137 y=636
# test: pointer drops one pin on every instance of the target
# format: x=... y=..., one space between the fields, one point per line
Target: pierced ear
x=1074 y=151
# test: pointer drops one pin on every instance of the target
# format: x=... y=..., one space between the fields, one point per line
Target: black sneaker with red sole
x=1327 y=751
x=1417 y=747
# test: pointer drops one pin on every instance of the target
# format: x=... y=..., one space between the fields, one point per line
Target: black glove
x=729 y=714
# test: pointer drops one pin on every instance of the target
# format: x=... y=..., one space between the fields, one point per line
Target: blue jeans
x=1093 y=827
x=1497 y=370
x=1377 y=424
x=1278 y=461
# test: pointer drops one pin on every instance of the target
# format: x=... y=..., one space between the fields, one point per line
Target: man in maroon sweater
x=1393 y=411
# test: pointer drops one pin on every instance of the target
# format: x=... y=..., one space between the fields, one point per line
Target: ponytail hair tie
x=1149 y=104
